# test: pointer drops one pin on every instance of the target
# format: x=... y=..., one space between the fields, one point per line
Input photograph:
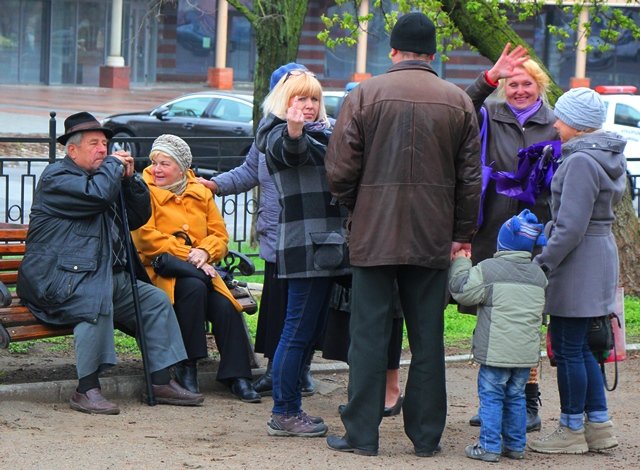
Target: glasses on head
x=297 y=73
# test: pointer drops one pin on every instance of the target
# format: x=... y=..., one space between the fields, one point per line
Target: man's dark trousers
x=423 y=297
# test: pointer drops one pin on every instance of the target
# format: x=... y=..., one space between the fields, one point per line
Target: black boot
x=264 y=384
x=532 y=394
x=307 y=385
x=187 y=375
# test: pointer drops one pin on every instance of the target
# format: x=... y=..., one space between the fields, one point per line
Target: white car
x=333 y=102
x=623 y=117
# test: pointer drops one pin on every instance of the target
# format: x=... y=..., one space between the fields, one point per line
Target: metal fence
x=19 y=175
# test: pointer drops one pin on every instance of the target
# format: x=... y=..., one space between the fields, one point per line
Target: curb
x=133 y=386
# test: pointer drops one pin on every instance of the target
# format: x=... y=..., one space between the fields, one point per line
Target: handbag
x=600 y=337
x=233 y=261
x=602 y=342
x=168 y=265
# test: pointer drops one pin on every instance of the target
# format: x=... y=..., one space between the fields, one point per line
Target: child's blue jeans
x=503 y=414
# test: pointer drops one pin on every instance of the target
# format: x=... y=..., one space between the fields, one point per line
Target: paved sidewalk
x=132 y=386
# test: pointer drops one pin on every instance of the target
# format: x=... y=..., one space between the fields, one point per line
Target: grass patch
x=58 y=343
x=458 y=330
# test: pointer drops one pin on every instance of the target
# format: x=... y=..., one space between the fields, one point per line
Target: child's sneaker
x=561 y=441
x=600 y=436
x=476 y=452
x=295 y=425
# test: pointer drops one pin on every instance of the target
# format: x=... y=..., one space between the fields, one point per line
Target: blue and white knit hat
x=521 y=232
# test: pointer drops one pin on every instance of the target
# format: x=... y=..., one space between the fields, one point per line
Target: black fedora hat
x=81 y=122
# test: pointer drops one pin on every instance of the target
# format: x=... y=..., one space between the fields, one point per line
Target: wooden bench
x=17 y=323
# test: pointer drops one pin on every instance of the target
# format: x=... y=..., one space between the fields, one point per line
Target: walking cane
x=151 y=400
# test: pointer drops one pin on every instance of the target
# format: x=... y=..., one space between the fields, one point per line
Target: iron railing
x=19 y=176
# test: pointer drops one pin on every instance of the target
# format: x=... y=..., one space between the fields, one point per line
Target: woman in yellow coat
x=186 y=223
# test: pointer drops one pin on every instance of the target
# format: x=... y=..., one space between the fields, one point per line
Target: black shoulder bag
x=601 y=342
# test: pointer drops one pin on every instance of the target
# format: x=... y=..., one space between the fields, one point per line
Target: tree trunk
x=627 y=232
x=626 y=227
x=277 y=25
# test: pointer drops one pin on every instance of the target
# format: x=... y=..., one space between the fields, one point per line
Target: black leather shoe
x=341 y=408
x=475 y=421
x=395 y=409
x=307 y=384
x=264 y=384
x=187 y=376
x=243 y=389
x=341 y=445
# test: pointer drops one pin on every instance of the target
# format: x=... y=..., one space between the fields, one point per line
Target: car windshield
x=189 y=107
x=626 y=115
x=231 y=110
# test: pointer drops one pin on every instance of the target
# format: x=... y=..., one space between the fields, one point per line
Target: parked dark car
x=217 y=126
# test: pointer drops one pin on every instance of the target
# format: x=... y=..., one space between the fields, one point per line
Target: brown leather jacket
x=404 y=160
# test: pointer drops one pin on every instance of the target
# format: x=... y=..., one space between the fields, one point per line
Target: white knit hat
x=174 y=147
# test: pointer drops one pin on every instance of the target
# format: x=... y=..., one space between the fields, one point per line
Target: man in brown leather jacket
x=404 y=160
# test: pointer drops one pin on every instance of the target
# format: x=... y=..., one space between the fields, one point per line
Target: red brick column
x=576 y=82
x=114 y=77
x=360 y=77
x=220 y=78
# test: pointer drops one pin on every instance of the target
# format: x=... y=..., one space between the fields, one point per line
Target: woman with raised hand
x=273 y=304
x=519 y=118
x=311 y=248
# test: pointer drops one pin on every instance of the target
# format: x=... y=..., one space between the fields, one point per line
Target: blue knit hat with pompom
x=521 y=232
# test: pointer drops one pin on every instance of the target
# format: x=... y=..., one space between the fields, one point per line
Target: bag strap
x=483 y=158
x=615 y=360
x=483 y=135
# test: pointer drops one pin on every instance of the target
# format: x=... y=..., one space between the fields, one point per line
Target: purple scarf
x=522 y=115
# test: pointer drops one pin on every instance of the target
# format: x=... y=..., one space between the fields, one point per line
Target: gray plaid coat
x=311 y=241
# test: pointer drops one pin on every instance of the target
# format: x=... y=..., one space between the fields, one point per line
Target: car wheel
x=130 y=147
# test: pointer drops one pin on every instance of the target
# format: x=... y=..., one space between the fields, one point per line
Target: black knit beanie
x=414 y=32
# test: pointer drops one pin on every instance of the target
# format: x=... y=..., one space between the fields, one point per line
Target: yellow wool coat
x=195 y=213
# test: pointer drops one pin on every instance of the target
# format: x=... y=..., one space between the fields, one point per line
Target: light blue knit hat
x=580 y=108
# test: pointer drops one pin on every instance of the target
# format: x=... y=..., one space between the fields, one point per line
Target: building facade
x=58 y=42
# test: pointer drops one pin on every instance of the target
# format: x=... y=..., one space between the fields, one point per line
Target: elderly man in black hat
x=73 y=272
x=404 y=160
